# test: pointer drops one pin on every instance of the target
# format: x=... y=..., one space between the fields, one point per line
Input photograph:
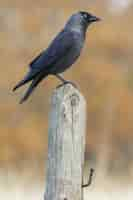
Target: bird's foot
x=67 y=82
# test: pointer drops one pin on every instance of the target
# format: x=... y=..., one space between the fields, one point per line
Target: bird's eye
x=85 y=16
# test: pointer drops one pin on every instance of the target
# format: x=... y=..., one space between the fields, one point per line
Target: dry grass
x=27 y=187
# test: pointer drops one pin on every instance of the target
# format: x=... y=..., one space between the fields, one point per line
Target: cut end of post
x=69 y=90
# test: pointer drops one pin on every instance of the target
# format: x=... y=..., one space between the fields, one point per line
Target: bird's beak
x=95 y=19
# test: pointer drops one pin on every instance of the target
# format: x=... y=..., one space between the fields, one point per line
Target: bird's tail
x=31 y=88
x=24 y=81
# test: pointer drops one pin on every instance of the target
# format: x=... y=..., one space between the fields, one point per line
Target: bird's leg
x=61 y=78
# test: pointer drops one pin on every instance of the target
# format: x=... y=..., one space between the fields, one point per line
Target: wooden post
x=66 y=145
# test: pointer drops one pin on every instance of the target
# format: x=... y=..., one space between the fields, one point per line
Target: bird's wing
x=42 y=63
x=58 y=48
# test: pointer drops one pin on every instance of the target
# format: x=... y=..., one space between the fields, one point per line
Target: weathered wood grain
x=66 y=145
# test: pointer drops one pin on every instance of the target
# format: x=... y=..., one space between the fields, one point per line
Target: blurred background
x=104 y=76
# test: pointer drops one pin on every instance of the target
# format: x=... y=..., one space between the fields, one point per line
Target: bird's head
x=88 y=18
x=82 y=20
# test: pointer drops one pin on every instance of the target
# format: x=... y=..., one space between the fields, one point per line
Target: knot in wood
x=74 y=99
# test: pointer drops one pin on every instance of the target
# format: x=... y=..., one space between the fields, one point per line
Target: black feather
x=33 y=85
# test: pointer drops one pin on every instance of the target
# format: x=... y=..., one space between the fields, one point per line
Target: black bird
x=61 y=53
